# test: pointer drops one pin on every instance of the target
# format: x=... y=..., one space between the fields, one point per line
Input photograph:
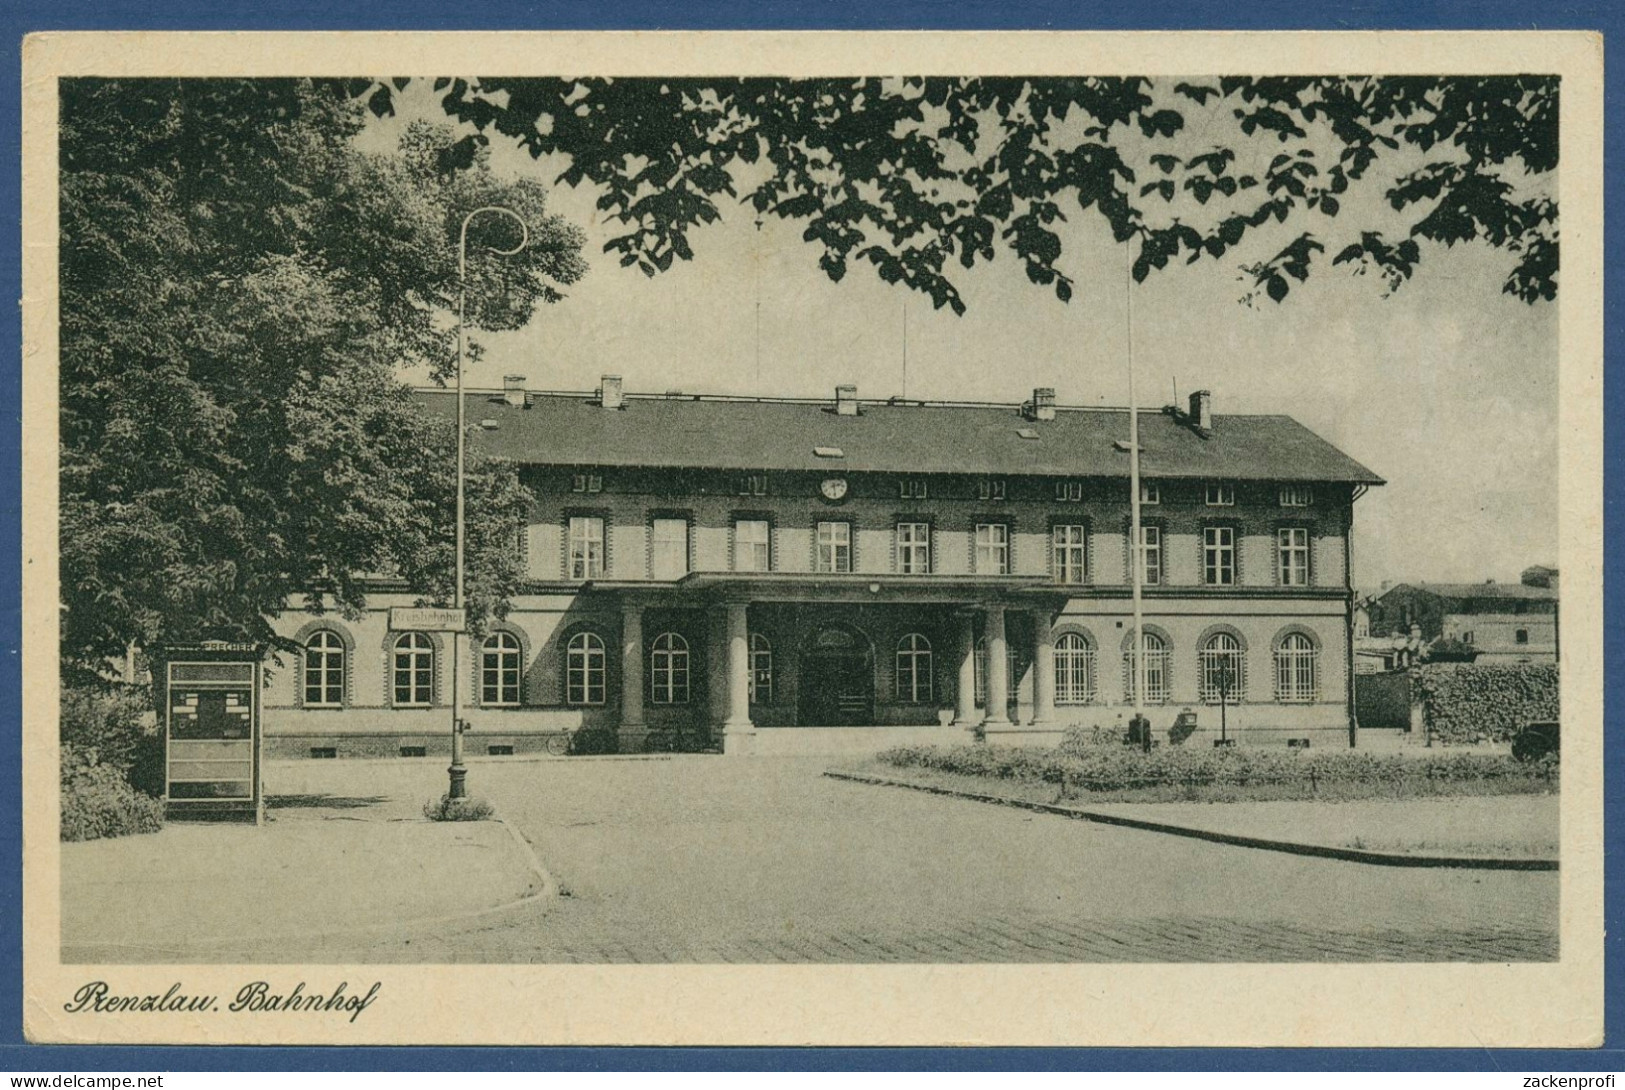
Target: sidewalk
x=197 y=884
x=1518 y=832
x=1506 y=826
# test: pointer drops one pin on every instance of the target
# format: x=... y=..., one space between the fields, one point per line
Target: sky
x=1447 y=388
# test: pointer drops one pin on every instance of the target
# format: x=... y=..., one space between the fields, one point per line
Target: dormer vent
x=610 y=395
x=846 y=401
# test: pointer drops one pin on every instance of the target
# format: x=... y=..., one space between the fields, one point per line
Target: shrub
x=447 y=808
x=1466 y=702
x=1086 y=768
x=97 y=801
x=1080 y=738
x=114 y=726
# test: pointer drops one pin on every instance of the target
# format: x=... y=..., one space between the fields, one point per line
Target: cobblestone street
x=704 y=859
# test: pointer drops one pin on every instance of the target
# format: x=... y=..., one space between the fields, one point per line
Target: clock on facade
x=834 y=488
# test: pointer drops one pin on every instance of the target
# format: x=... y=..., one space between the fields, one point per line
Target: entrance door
x=837 y=684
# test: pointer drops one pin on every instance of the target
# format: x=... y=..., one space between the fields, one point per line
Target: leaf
x=1277 y=287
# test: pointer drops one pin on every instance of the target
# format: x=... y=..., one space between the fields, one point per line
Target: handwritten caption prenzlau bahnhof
x=255 y=997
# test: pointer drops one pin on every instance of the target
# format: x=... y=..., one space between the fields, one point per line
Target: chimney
x=609 y=392
x=846 y=401
x=1043 y=407
x=513 y=390
x=1202 y=409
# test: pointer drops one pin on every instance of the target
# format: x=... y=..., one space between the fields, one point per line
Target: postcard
x=813 y=538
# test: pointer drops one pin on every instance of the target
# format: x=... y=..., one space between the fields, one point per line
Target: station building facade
x=737 y=569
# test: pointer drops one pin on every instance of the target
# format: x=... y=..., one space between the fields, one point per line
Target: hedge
x=114 y=726
x=1101 y=768
x=111 y=764
x=1467 y=702
x=97 y=800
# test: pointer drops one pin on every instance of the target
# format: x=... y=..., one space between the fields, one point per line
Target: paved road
x=706 y=859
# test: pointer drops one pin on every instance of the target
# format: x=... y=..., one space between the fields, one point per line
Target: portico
x=782 y=652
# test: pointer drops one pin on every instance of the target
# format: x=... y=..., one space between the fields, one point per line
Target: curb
x=1290 y=847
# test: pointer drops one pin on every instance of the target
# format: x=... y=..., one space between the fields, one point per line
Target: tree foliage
x=239 y=286
x=911 y=175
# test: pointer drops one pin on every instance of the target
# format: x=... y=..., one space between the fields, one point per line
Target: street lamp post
x=458 y=771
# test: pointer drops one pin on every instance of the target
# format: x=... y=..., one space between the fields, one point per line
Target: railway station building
x=767 y=573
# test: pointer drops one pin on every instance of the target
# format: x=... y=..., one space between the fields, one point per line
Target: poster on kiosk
x=212 y=732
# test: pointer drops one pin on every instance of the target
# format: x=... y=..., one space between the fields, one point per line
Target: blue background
x=23 y=16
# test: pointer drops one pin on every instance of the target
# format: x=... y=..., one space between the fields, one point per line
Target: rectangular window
x=1219 y=556
x=751 y=549
x=914 y=548
x=1151 y=553
x=992 y=549
x=753 y=484
x=1221 y=495
x=911 y=488
x=834 y=547
x=1297 y=495
x=586 y=482
x=1071 y=554
x=1520 y=636
x=1069 y=491
x=1293 y=549
x=1150 y=495
x=990 y=488
x=586 y=548
x=668 y=556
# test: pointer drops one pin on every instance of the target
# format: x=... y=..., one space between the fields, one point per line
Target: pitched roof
x=1479 y=591
x=915 y=437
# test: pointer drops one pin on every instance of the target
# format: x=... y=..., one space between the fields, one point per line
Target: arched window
x=761 y=669
x=1074 y=669
x=324 y=670
x=1012 y=671
x=413 y=670
x=584 y=669
x=1296 y=667
x=1156 y=669
x=1224 y=676
x=499 y=670
x=914 y=669
x=668 y=669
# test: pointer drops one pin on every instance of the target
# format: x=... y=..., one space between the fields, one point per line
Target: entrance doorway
x=837 y=683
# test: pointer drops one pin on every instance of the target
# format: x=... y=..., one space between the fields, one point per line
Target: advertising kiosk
x=212 y=741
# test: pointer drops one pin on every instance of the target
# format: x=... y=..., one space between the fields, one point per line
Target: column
x=737 y=728
x=965 y=690
x=998 y=670
x=632 y=731
x=1043 y=669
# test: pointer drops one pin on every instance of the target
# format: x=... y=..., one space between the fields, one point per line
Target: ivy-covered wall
x=1466 y=702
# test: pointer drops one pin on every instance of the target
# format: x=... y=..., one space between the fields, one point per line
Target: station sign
x=427 y=619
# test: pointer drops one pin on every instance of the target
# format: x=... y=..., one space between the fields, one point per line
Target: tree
x=908 y=175
x=239 y=287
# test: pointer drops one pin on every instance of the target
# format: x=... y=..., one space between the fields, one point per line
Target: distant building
x=1502 y=622
x=745 y=565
